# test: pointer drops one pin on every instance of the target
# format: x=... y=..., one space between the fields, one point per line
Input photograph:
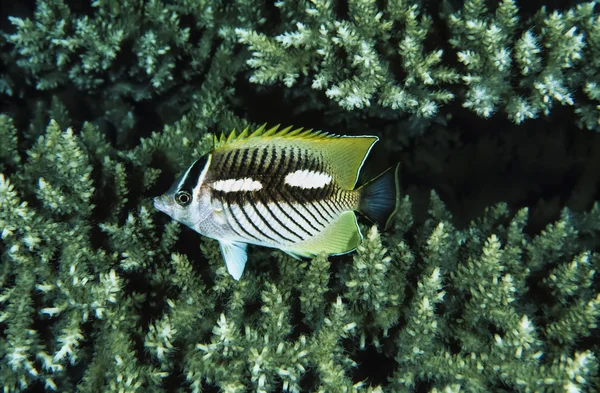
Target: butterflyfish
x=289 y=189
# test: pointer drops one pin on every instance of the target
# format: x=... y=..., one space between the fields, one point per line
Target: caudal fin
x=379 y=198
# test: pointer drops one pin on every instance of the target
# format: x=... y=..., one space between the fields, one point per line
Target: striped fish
x=290 y=189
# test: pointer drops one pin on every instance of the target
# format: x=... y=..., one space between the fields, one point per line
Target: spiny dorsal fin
x=273 y=132
x=345 y=154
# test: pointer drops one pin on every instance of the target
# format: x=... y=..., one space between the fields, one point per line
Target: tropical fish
x=290 y=189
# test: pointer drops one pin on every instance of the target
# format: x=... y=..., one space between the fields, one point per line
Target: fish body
x=290 y=189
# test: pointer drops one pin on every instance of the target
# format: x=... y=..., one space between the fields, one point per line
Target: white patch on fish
x=307 y=179
x=236 y=185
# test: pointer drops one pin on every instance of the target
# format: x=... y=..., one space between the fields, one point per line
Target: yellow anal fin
x=346 y=156
x=341 y=236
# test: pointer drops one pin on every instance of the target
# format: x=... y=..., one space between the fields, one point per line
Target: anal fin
x=340 y=237
x=293 y=255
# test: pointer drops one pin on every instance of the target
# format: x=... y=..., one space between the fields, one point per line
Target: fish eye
x=183 y=198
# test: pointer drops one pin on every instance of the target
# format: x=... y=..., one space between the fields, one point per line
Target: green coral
x=377 y=55
x=57 y=44
x=359 y=75
x=360 y=54
x=489 y=289
x=100 y=292
x=455 y=307
x=119 y=55
x=8 y=143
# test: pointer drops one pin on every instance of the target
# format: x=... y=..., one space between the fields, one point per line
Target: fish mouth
x=160 y=203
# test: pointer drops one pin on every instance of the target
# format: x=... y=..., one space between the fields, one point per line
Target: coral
x=86 y=279
x=378 y=55
x=100 y=292
x=120 y=54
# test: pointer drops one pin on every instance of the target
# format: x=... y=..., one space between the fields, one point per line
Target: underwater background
x=487 y=281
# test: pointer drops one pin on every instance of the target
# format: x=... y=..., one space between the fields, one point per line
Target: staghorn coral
x=458 y=308
x=380 y=54
x=100 y=293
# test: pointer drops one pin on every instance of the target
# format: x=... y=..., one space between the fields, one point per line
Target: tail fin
x=379 y=198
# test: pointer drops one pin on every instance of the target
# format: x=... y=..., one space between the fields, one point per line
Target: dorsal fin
x=273 y=132
x=344 y=154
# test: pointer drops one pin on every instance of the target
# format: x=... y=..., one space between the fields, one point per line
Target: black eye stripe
x=191 y=179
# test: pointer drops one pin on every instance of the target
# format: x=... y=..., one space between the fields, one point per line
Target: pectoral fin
x=235 y=256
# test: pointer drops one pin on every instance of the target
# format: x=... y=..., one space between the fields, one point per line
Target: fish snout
x=160 y=202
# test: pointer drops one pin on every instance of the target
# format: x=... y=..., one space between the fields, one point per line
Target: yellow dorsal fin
x=344 y=154
x=264 y=133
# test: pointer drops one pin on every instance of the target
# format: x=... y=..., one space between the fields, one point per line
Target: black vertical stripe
x=193 y=174
x=226 y=161
x=248 y=166
x=241 y=226
x=285 y=163
x=227 y=211
x=320 y=163
x=312 y=163
x=235 y=174
x=292 y=219
x=292 y=160
x=269 y=169
x=279 y=176
x=310 y=166
x=318 y=192
x=260 y=196
x=281 y=224
x=299 y=160
x=302 y=199
x=326 y=191
x=266 y=221
x=331 y=187
x=245 y=213
x=231 y=165
x=263 y=160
